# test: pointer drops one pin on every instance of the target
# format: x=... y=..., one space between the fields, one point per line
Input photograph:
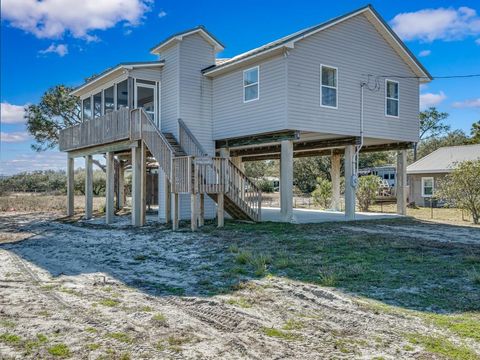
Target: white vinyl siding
x=357 y=49
x=392 y=101
x=427 y=186
x=251 y=84
x=329 y=86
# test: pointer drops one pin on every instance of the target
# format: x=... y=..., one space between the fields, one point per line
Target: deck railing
x=182 y=175
x=111 y=127
x=143 y=128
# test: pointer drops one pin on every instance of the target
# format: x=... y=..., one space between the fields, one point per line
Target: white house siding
x=169 y=90
x=146 y=74
x=355 y=48
x=415 y=187
x=232 y=117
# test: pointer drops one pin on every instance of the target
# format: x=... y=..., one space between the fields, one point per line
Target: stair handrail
x=138 y=132
x=189 y=142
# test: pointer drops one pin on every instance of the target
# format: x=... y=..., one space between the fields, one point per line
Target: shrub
x=265 y=186
x=461 y=188
x=367 y=189
x=322 y=195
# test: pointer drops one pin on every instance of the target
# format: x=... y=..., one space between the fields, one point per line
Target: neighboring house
x=386 y=173
x=346 y=85
x=424 y=175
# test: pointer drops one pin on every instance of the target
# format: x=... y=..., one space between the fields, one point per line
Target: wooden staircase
x=190 y=171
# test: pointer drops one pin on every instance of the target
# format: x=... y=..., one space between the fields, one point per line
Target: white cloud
x=53 y=18
x=424 y=53
x=14 y=137
x=162 y=14
x=60 y=49
x=431 y=99
x=31 y=161
x=477 y=41
x=470 y=103
x=12 y=114
x=437 y=24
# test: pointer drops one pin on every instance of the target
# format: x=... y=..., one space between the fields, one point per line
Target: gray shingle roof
x=444 y=159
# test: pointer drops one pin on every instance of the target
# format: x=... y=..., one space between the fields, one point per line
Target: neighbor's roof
x=289 y=41
x=444 y=159
x=113 y=71
x=179 y=36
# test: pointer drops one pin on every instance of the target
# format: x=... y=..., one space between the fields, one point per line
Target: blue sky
x=44 y=44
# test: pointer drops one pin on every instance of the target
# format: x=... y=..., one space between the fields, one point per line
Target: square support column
x=109 y=189
x=138 y=177
x=175 y=211
x=168 y=199
x=201 y=215
x=335 y=174
x=220 y=210
x=121 y=185
x=286 y=181
x=88 y=187
x=401 y=182
x=193 y=212
x=349 y=185
x=70 y=186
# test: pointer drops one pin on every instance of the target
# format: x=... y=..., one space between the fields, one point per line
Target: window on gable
x=329 y=86
x=108 y=100
x=427 y=186
x=97 y=105
x=251 y=84
x=391 y=98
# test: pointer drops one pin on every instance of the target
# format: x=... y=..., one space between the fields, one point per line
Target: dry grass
x=44 y=203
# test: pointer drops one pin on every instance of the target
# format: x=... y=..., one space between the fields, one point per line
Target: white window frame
x=390 y=98
x=423 y=186
x=154 y=87
x=331 y=87
x=250 y=85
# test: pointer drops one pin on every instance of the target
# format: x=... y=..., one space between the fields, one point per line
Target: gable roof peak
x=199 y=29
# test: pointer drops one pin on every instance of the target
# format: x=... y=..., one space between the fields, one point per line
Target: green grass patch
x=7 y=324
x=59 y=350
x=240 y=302
x=292 y=324
x=442 y=346
x=243 y=257
x=280 y=334
x=466 y=325
x=109 y=302
x=159 y=319
x=93 y=346
x=10 y=339
x=120 y=336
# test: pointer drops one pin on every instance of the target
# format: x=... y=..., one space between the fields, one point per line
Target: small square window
x=328 y=88
x=427 y=186
x=251 y=84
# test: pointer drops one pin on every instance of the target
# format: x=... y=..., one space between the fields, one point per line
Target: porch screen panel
x=122 y=94
x=109 y=103
x=97 y=105
x=87 y=109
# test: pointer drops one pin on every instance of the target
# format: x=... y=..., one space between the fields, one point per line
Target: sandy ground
x=97 y=290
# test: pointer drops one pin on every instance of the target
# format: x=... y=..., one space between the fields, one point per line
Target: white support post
x=143 y=190
x=401 y=182
x=175 y=211
x=201 y=218
x=349 y=185
x=136 y=186
x=109 y=189
x=286 y=181
x=194 y=212
x=70 y=186
x=220 y=210
x=335 y=174
x=121 y=185
x=88 y=187
x=168 y=200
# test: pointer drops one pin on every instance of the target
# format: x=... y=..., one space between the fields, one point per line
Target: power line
x=426 y=77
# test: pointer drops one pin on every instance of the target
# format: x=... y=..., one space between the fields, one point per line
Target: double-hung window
x=329 y=86
x=392 y=101
x=427 y=186
x=251 y=84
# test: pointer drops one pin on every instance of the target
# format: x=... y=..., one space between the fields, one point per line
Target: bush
x=461 y=188
x=265 y=186
x=322 y=195
x=367 y=190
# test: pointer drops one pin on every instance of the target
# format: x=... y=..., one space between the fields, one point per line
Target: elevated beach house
x=336 y=89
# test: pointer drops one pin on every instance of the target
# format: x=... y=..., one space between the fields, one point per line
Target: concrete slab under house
x=337 y=89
